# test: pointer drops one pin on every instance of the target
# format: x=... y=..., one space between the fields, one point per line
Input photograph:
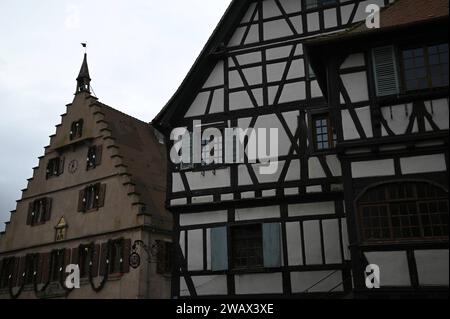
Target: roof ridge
x=122 y=113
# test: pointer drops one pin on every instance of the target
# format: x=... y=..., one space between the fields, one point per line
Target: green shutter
x=219 y=249
x=272 y=245
x=385 y=71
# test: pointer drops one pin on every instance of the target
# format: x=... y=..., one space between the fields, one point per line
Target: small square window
x=324 y=136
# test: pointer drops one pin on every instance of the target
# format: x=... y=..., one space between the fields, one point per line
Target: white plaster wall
x=439 y=112
x=373 y=168
x=393 y=267
x=432 y=267
x=257 y=213
x=353 y=60
x=313 y=245
x=365 y=119
x=315 y=168
x=203 y=218
x=306 y=209
x=258 y=284
x=397 y=118
x=331 y=241
x=356 y=86
x=276 y=29
x=198 y=107
x=303 y=282
x=216 y=76
x=348 y=126
x=221 y=178
x=210 y=285
x=294 y=246
x=423 y=164
x=195 y=250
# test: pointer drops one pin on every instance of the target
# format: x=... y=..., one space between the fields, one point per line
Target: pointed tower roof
x=84 y=71
x=83 y=79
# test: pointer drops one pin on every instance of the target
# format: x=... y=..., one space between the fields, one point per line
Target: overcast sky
x=139 y=51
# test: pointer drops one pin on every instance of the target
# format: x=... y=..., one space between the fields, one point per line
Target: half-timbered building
x=362 y=152
x=95 y=198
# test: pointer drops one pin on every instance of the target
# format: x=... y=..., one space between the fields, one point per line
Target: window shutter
x=95 y=260
x=21 y=270
x=45 y=267
x=219 y=248
x=385 y=71
x=30 y=213
x=98 y=155
x=75 y=256
x=61 y=165
x=48 y=209
x=101 y=195
x=103 y=256
x=81 y=200
x=161 y=257
x=125 y=255
x=272 y=245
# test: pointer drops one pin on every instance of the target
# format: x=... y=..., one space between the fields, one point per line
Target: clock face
x=73 y=166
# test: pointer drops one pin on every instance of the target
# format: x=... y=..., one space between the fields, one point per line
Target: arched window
x=403 y=211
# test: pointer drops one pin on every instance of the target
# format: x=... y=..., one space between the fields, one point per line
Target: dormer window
x=76 y=130
x=55 y=167
x=94 y=157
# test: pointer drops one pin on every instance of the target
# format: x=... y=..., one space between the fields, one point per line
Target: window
x=310 y=4
x=117 y=256
x=163 y=256
x=7 y=269
x=76 y=130
x=425 y=67
x=247 y=246
x=85 y=257
x=92 y=197
x=211 y=153
x=324 y=136
x=404 y=211
x=422 y=67
x=57 y=264
x=117 y=259
x=30 y=267
x=55 y=167
x=39 y=211
x=94 y=157
x=252 y=246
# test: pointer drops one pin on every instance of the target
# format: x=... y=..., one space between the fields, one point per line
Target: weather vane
x=84 y=44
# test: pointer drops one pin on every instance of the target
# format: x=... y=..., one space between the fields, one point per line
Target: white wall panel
x=313 y=245
x=373 y=168
x=393 y=267
x=203 y=218
x=259 y=284
x=423 y=164
x=432 y=267
x=316 y=281
x=257 y=213
x=306 y=209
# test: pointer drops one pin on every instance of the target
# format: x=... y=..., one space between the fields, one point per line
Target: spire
x=83 y=79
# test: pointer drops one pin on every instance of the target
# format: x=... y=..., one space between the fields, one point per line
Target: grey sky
x=138 y=52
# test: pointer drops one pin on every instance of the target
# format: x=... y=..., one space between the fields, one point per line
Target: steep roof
x=142 y=155
x=406 y=12
x=84 y=70
x=203 y=63
x=400 y=14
